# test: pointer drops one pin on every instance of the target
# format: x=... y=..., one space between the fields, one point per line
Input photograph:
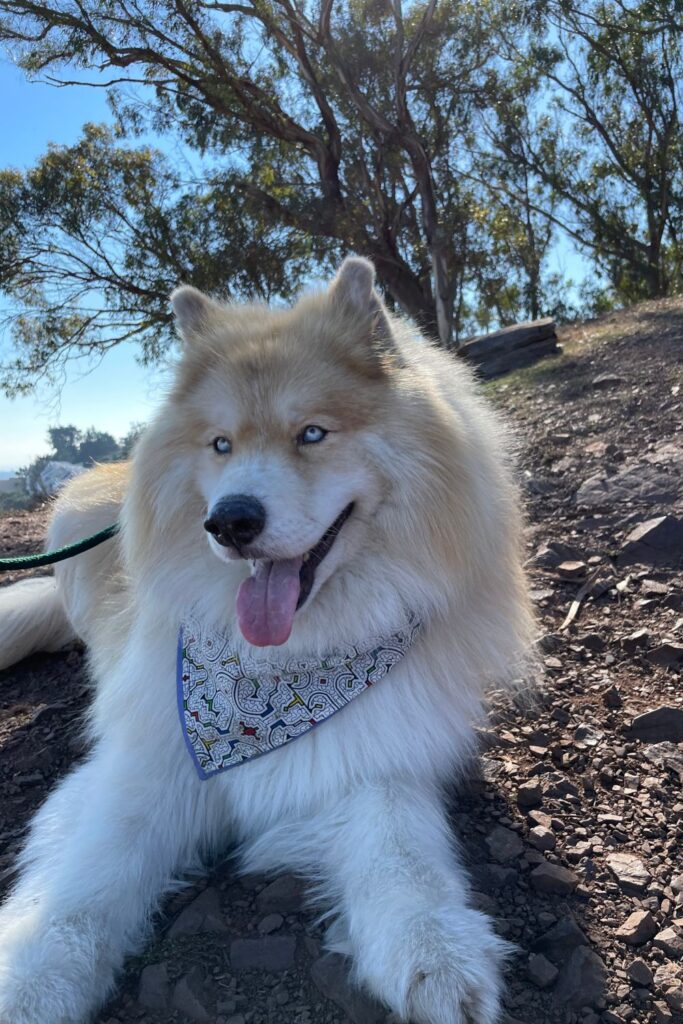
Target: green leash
x=68 y=551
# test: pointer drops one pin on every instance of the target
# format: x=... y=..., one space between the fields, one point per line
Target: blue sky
x=116 y=392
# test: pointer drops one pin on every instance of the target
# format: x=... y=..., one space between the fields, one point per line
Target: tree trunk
x=408 y=292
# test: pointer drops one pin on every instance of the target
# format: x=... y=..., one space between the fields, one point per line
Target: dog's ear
x=353 y=293
x=194 y=311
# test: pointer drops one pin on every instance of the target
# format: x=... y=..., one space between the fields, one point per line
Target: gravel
x=572 y=820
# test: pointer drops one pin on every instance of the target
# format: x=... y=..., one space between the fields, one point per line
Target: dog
x=321 y=487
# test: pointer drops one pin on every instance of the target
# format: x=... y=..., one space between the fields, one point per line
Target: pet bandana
x=233 y=709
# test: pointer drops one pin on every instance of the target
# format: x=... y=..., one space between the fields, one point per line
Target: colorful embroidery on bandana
x=232 y=710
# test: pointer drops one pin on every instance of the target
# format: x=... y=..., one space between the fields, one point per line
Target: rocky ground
x=572 y=823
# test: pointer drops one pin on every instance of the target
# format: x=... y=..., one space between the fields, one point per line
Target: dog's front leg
x=404 y=917
x=100 y=853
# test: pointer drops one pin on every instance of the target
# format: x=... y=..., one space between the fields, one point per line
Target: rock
x=504 y=844
x=499 y=877
x=653 y=588
x=540 y=818
x=511 y=347
x=560 y=940
x=662 y=724
x=331 y=977
x=630 y=872
x=572 y=570
x=671 y=941
x=489 y=740
x=661 y=1014
x=529 y=794
x=482 y=901
x=677 y=883
x=540 y=594
x=54 y=476
x=636 y=641
x=666 y=654
x=553 y=878
x=666 y=755
x=582 y=979
x=612 y=698
x=669 y=982
x=203 y=914
x=154 y=989
x=602 y=583
x=542 y=839
x=541 y=972
x=578 y=851
x=554 y=552
x=587 y=734
x=269 y=953
x=640 y=973
x=191 y=995
x=226 y=1007
x=284 y=895
x=593 y=642
x=656 y=542
x=674 y=998
x=637 y=483
x=270 y=923
x=637 y=928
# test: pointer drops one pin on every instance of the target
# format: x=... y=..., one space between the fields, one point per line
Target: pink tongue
x=266 y=602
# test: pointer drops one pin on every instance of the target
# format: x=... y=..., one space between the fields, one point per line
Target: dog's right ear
x=353 y=291
x=194 y=311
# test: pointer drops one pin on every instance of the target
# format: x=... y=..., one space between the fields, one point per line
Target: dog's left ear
x=353 y=292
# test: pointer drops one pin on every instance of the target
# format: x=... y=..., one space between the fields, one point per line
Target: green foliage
x=65 y=443
x=599 y=133
x=81 y=447
x=128 y=442
x=94 y=238
x=452 y=142
x=15 y=501
x=31 y=475
x=97 y=446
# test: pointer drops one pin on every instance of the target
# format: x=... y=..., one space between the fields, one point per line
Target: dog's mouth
x=268 y=600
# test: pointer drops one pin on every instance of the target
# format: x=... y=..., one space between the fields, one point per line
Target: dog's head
x=312 y=451
x=283 y=405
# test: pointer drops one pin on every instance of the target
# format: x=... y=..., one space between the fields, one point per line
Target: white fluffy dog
x=320 y=485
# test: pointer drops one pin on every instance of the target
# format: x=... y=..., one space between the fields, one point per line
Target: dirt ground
x=571 y=822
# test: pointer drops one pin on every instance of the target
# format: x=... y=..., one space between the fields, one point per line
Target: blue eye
x=221 y=445
x=312 y=434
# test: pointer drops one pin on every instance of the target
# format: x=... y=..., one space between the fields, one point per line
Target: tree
x=127 y=443
x=327 y=127
x=604 y=135
x=65 y=442
x=451 y=142
x=94 y=238
x=96 y=446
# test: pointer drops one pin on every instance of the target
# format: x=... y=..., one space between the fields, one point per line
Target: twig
x=579 y=599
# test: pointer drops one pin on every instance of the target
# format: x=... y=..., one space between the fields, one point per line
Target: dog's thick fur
x=355 y=804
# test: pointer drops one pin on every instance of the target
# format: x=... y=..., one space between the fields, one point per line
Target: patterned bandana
x=232 y=709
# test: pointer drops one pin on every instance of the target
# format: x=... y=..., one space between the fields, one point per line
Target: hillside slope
x=575 y=823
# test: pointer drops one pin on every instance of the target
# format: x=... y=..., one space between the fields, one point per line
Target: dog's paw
x=460 y=979
x=447 y=969
x=49 y=975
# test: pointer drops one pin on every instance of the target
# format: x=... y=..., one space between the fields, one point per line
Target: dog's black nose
x=236 y=520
